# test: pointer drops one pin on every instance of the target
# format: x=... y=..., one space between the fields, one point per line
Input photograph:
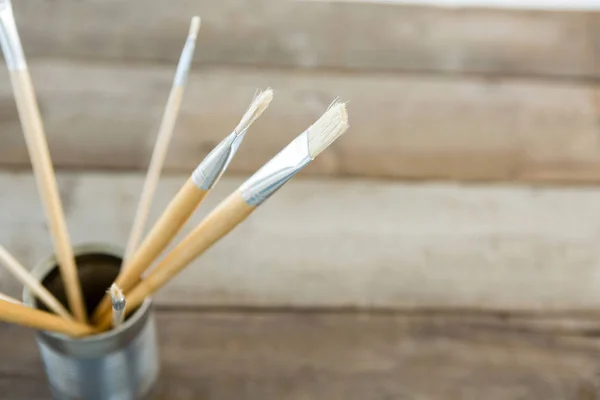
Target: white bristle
x=4 y=4
x=328 y=128
x=257 y=107
x=194 y=27
x=116 y=293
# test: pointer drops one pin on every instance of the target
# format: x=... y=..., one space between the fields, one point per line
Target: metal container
x=120 y=364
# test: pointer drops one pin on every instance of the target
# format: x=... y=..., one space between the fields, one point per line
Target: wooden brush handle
x=44 y=173
x=217 y=224
x=4 y=297
x=156 y=163
x=33 y=284
x=23 y=315
x=168 y=225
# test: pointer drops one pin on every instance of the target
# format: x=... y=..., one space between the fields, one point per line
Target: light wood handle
x=165 y=132
x=19 y=271
x=217 y=224
x=41 y=320
x=39 y=154
x=4 y=297
x=168 y=225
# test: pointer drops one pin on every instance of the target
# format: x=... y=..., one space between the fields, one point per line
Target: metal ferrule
x=274 y=174
x=210 y=170
x=9 y=38
x=185 y=61
x=119 y=305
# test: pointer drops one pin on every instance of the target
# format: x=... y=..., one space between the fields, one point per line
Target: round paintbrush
x=165 y=132
x=19 y=272
x=37 y=146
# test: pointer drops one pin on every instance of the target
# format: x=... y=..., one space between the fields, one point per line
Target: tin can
x=120 y=364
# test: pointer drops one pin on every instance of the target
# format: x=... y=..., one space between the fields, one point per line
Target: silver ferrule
x=185 y=61
x=9 y=38
x=210 y=170
x=274 y=174
x=119 y=304
x=118 y=311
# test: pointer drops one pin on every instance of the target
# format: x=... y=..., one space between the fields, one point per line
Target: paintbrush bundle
x=131 y=287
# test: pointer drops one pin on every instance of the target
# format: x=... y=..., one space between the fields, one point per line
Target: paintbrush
x=21 y=273
x=189 y=197
x=118 y=305
x=241 y=203
x=165 y=133
x=4 y=297
x=39 y=154
x=22 y=315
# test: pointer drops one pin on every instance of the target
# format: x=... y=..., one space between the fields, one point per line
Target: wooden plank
x=494 y=4
x=349 y=244
x=415 y=127
x=318 y=35
x=328 y=356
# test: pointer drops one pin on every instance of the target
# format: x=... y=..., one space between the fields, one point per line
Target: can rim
x=43 y=268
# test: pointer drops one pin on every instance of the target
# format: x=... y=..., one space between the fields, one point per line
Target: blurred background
x=461 y=209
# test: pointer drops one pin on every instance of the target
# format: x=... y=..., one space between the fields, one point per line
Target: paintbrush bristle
x=257 y=107
x=116 y=293
x=194 y=27
x=327 y=129
x=4 y=4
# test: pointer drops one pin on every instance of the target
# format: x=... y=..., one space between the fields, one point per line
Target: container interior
x=97 y=271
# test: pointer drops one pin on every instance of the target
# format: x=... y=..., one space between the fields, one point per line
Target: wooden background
x=464 y=192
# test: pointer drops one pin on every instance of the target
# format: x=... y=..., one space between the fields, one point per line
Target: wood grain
x=405 y=126
x=349 y=356
x=348 y=244
x=306 y=34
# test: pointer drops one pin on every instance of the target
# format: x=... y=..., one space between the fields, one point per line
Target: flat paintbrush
x=241 y=203
x=189 y=197
x=35 y=138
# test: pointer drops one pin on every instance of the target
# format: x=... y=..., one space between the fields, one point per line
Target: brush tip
x=263 y=99
x=328 y=128
x=260 y=102
x=116 y=293
x=194 y=26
